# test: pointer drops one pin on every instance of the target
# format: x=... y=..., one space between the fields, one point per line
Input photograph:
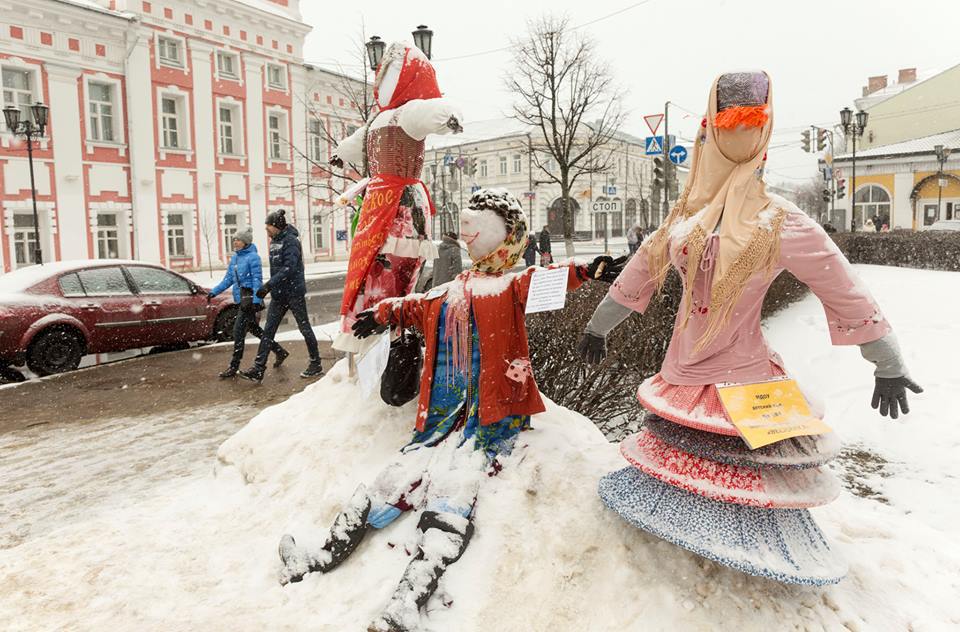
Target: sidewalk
x=314 y=270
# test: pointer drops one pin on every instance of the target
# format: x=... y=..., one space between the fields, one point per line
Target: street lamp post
x=942 y=154
x=30 y=130
x=855 y=129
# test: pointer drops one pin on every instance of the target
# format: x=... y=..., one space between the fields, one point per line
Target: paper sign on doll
x=371 y=365
x=767 y=412
x=548 y=290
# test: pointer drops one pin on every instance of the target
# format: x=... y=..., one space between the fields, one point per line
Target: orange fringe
x=746 y=115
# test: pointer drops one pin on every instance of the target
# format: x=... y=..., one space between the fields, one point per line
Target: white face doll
x=482 y=231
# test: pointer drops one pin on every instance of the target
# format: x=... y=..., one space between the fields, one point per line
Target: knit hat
x=245 y=235
x=504 y=204
x=277 y=219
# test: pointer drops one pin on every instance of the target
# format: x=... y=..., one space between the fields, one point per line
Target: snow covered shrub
x=929 y=250
x=607 y=393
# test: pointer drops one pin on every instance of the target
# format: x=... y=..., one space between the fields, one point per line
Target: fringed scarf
x=726 y=187
x=494 y=264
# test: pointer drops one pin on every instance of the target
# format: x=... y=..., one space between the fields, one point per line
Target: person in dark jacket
x=448 y=265
x=546 y=250
x=288 y=291
x=530 y=253
x=245 y=276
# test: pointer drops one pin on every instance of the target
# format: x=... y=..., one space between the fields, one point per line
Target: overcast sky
x=818 y=52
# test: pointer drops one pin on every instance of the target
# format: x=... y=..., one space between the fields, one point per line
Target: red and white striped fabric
x=729 y=483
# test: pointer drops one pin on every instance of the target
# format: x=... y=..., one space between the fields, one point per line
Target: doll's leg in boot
x=345 y=535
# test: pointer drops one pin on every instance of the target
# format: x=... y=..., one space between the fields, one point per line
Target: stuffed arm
x=350 y=149
x=422 y=117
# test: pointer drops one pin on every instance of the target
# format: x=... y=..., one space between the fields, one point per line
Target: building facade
x=496 y=153
x=173 y=124
x=898 y=175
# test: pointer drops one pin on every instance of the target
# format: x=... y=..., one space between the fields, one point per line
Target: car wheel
x=223 y=328
x=55 y=351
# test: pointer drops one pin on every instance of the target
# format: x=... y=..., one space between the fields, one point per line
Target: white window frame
x=25 y=237
x=517 y=163
x=183 y=233
x=235 y=60
x=278 y=138
x=319 y=229
x=483 y=168
x=181 y=43
x=103 y=236
x=236 y=124
x=316 y=140
x=119 y=115
x=229 y=230
x=36 y=87
x=282 y=73
x=182 y=117
x=503 y=165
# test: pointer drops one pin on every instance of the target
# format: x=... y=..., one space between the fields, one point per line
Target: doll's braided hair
x=504 y=204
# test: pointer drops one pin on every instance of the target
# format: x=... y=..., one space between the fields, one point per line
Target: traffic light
x=805 y=140
x=826 y=195
x=821 y=139
x=841 y=188
x=657 y=173
x=470 y=166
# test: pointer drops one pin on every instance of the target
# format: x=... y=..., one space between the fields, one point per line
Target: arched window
x=872 y=202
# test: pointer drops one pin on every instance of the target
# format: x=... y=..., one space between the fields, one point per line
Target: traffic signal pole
x=666 y=160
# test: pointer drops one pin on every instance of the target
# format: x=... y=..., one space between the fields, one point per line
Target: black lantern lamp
x=423 y=38
x=861 y=121
x=11 y=116
x=846 y=117
x=375 y=49
x=40 y=111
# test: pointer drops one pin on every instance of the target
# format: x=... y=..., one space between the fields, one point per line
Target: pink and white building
x=173 y=123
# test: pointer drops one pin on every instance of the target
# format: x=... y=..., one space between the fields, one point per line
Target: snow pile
x=201 y=552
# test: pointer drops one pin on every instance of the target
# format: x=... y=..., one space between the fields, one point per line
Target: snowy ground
x=198 y=551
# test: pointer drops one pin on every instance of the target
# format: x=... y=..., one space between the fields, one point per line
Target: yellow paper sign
x=767 y=412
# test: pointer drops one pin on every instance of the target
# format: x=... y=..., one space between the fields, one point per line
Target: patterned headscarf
x=504 y=204
x=727 y=192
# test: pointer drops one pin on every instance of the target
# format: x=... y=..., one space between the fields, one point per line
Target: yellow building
x=898 y=178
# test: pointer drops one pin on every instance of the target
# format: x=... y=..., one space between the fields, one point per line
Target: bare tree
x=809 y=197
x=567 y=94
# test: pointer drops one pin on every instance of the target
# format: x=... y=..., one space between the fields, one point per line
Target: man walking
x=245 y=275
x=449 y=264
x=288 y=289
x=546 y=250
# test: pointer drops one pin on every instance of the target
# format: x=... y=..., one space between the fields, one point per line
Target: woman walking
x=245 y=276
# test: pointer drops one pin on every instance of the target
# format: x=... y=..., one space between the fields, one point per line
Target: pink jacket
x=740 y=353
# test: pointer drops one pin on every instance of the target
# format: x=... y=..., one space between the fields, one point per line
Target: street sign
x=607 y=206
x=341 y=235
x=653 y=122
x=529 y=195
x=654 y=145
x=475 y=188
x=448 y=159
x=678 y=154
x=610 y=190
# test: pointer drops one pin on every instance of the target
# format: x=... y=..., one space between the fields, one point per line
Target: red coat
x=503 y=338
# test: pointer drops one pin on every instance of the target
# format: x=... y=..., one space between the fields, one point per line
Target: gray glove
x=889 y=393
x=890 y=390
x=592 y=348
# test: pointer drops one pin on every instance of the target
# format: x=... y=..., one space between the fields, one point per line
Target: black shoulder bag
x=400 y=382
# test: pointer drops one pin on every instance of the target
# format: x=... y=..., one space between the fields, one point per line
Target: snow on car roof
x=25 y=278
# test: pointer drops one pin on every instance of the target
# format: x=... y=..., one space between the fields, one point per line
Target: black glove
x=454 y=125
x=336 y=161
x=210 y=296
x=592 y=348
x=605 y=268
x=367 y=325
x=890 y=394
x=263 y=291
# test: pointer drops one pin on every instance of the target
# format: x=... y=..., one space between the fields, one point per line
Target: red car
x=52 y=315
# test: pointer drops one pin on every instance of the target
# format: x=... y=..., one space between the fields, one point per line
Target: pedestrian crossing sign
x=654 y=145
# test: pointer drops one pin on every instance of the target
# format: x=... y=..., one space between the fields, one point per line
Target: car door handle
x=89 y=306
x=152 y=303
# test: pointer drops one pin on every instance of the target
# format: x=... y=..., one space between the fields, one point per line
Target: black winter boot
x=314 y=370
x=254 y=374
x=444 y=538
x=347 y=531
x=280 y=357
x=229 y=372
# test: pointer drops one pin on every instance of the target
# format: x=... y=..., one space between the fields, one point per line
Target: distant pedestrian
x=245 y=276
x=546 y=250
x=287 y=288
x=448 y=264
x=634 y=235
x=530 y=253
x=877 y=223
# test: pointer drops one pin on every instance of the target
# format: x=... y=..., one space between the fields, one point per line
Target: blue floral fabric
x=449 y=409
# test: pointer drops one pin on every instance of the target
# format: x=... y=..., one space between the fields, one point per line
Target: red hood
x=417 y=78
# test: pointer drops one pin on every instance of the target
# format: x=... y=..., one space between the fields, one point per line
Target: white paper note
x=548 y=290
x=371 y=365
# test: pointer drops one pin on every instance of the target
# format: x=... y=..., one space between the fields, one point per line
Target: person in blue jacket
x=288 y=291
x=245 y=276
